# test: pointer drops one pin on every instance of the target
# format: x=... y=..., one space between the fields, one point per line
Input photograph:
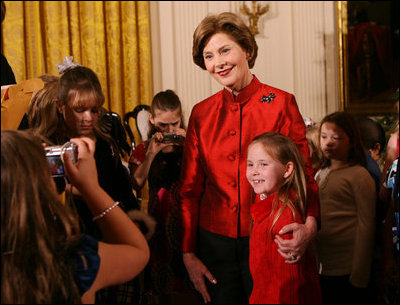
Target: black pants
x=228 y=260
x=338 y=290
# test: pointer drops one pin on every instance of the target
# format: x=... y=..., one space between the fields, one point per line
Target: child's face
x=81 y=116
x=335 y=144
x=166 y=121
x=265 y=174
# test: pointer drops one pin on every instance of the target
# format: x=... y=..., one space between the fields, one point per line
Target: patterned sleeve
x=391 y=173
x=87 y=263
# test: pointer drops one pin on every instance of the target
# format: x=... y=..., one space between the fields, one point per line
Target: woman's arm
x=127 y=252
x=191 y=186
x=294 y=127
x=297 y=246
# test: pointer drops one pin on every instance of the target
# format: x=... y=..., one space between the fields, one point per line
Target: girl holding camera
x=158 y=161
x=77 y=102
x=64 y=265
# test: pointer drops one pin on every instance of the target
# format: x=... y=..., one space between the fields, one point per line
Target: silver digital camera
x=55 y=160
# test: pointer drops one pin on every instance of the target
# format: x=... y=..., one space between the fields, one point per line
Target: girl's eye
x=225 y=50
x=208 y=57
x=79 y=110
x=95 y=110
x=264 y=164
x=249 y=164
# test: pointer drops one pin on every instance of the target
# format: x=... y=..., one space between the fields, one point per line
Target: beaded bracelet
x=102 y=214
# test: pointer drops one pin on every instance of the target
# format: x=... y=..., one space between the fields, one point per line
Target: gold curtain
x=110 y=37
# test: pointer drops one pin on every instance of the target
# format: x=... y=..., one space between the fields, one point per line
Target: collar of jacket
x=244 y=95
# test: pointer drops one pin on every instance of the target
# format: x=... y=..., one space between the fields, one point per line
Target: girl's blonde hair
x=39 y=235
x=284 y=150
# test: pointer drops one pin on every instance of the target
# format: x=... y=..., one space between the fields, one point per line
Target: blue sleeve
x=87 y=263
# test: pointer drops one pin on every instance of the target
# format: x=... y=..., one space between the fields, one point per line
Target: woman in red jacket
x=215 y=194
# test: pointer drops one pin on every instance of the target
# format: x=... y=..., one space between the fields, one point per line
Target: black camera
x=172 y=138
x=54 y=157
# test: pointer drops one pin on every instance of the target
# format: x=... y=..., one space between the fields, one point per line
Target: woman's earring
x=263 y=196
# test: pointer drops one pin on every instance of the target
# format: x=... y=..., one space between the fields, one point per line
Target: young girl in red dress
x=275 y=170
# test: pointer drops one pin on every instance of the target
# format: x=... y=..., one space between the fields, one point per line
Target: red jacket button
x=234 y=107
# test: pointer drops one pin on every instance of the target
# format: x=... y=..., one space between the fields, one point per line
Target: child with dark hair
x=347 y=195
x=372 y=135
x=158 y=161
x=374 y=141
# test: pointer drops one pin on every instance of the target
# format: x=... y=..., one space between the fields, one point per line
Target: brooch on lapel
x=268 y=98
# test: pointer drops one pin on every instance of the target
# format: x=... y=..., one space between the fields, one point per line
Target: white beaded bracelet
x=102 y=214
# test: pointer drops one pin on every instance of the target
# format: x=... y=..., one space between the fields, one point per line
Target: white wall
x=296 y=51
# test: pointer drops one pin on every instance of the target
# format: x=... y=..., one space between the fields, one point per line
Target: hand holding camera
x=54 y=155
x=83 y=173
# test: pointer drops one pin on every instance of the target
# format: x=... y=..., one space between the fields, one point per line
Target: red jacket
x=215 y=193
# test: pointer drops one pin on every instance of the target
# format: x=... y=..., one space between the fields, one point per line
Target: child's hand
x=156 y=145
x=180 y=132
x=83 y=174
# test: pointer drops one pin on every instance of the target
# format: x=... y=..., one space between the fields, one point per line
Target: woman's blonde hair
x=39 y=235
x=228 y=23
x=284 y=150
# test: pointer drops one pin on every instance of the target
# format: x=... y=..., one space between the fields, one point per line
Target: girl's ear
x=151 y=118
x=289 y=169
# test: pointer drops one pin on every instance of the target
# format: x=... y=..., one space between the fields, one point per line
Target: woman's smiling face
x=226 y=61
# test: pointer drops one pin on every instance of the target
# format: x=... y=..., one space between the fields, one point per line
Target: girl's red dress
x=275 y=281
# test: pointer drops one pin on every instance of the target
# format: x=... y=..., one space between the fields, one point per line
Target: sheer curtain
x=110 y=37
